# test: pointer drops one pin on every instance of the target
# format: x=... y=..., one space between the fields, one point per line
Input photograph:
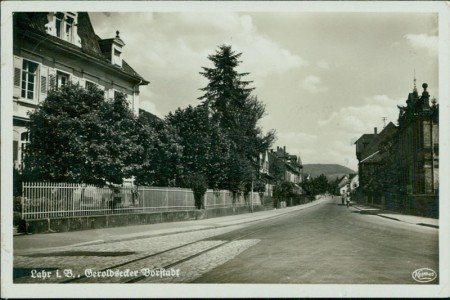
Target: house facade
x=348 y=184
x=277 y=166
x=290 y=166
x=264 y=173
x=399 y=168
x=371 y=164
x=53 y=48
x=418 y=153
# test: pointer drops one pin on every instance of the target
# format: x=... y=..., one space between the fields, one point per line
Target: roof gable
x=35 y=22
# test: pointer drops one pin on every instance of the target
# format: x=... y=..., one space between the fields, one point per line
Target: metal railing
x=42 y=200
x=224 y=198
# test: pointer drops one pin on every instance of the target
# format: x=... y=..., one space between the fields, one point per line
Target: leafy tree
x=161 y=152
x=205 y=149
x=78 y=136
x=199 y=185
x=321 y=184
x=316 y=186
x=385 y=179
x=236 y=113
x=283 y=191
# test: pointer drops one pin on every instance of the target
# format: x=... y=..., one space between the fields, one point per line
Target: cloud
x=323 y=64
x=173 y=47
x=362 y=119
x=344 y=126
x=423 y=41
x=313 y=84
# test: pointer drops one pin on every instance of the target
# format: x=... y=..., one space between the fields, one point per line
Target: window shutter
x=43 y=80
x=17 y=76
x=51 y=78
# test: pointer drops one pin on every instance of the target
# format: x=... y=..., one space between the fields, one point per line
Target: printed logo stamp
x=424 y=275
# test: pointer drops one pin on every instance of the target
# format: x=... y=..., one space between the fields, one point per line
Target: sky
x=326 y=78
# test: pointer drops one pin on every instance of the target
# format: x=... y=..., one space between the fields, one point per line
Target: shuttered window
x=28 y=86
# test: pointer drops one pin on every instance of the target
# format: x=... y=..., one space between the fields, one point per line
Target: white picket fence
x=43 y=200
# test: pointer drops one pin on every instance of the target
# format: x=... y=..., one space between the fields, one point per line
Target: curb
x=428 y=225
x=149 y=235
x=395 y=219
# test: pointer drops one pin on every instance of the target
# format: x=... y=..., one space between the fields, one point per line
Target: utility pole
x=251 y=199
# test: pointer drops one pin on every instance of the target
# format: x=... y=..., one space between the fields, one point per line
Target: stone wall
x=116 y=220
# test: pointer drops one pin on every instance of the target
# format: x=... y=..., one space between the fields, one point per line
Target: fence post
x=73 y=202
x=22 y=204
x=205 y=199
x=167 y=198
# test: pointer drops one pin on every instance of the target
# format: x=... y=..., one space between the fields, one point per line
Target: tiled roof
x=35 y=22
x=370 y=154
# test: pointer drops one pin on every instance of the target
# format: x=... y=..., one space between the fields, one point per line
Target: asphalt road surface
x=325 y=243
x=330 y=243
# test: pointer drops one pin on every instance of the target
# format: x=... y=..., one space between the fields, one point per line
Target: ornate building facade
x=399 y=168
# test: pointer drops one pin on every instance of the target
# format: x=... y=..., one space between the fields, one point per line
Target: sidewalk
x=40 y=242
x=423 y=221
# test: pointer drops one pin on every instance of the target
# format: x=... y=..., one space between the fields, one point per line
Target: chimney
x=375 y=130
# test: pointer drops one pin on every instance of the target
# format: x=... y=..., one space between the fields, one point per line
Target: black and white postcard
x=225 y=149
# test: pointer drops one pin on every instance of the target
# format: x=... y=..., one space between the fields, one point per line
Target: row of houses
x=52 y=48
x=399 y=166
x=278 y=165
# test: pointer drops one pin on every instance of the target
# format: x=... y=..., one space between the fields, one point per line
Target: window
x=118 y=94
x=90 y=85
x=61 y=79
x=28 y=86
x=69 y=29
x=117 y=58
x=59 y=17
x=63 y=26
x=24 y=141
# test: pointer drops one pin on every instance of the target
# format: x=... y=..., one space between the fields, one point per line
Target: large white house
x=53 y=48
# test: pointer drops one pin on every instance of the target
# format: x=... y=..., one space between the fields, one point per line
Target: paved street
x=323 y=243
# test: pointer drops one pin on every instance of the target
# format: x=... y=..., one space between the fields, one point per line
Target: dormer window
x=117 y=58
x=64 y=26
x=112 y=49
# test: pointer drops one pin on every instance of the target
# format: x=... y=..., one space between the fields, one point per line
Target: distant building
x=399 y=168
x=277 y=166
x=371 y=163
x=348 y=184
x=290 y=167
x=264 y=173
x=52 y=48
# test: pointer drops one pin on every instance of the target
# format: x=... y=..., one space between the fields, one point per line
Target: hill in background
x=331 y=171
